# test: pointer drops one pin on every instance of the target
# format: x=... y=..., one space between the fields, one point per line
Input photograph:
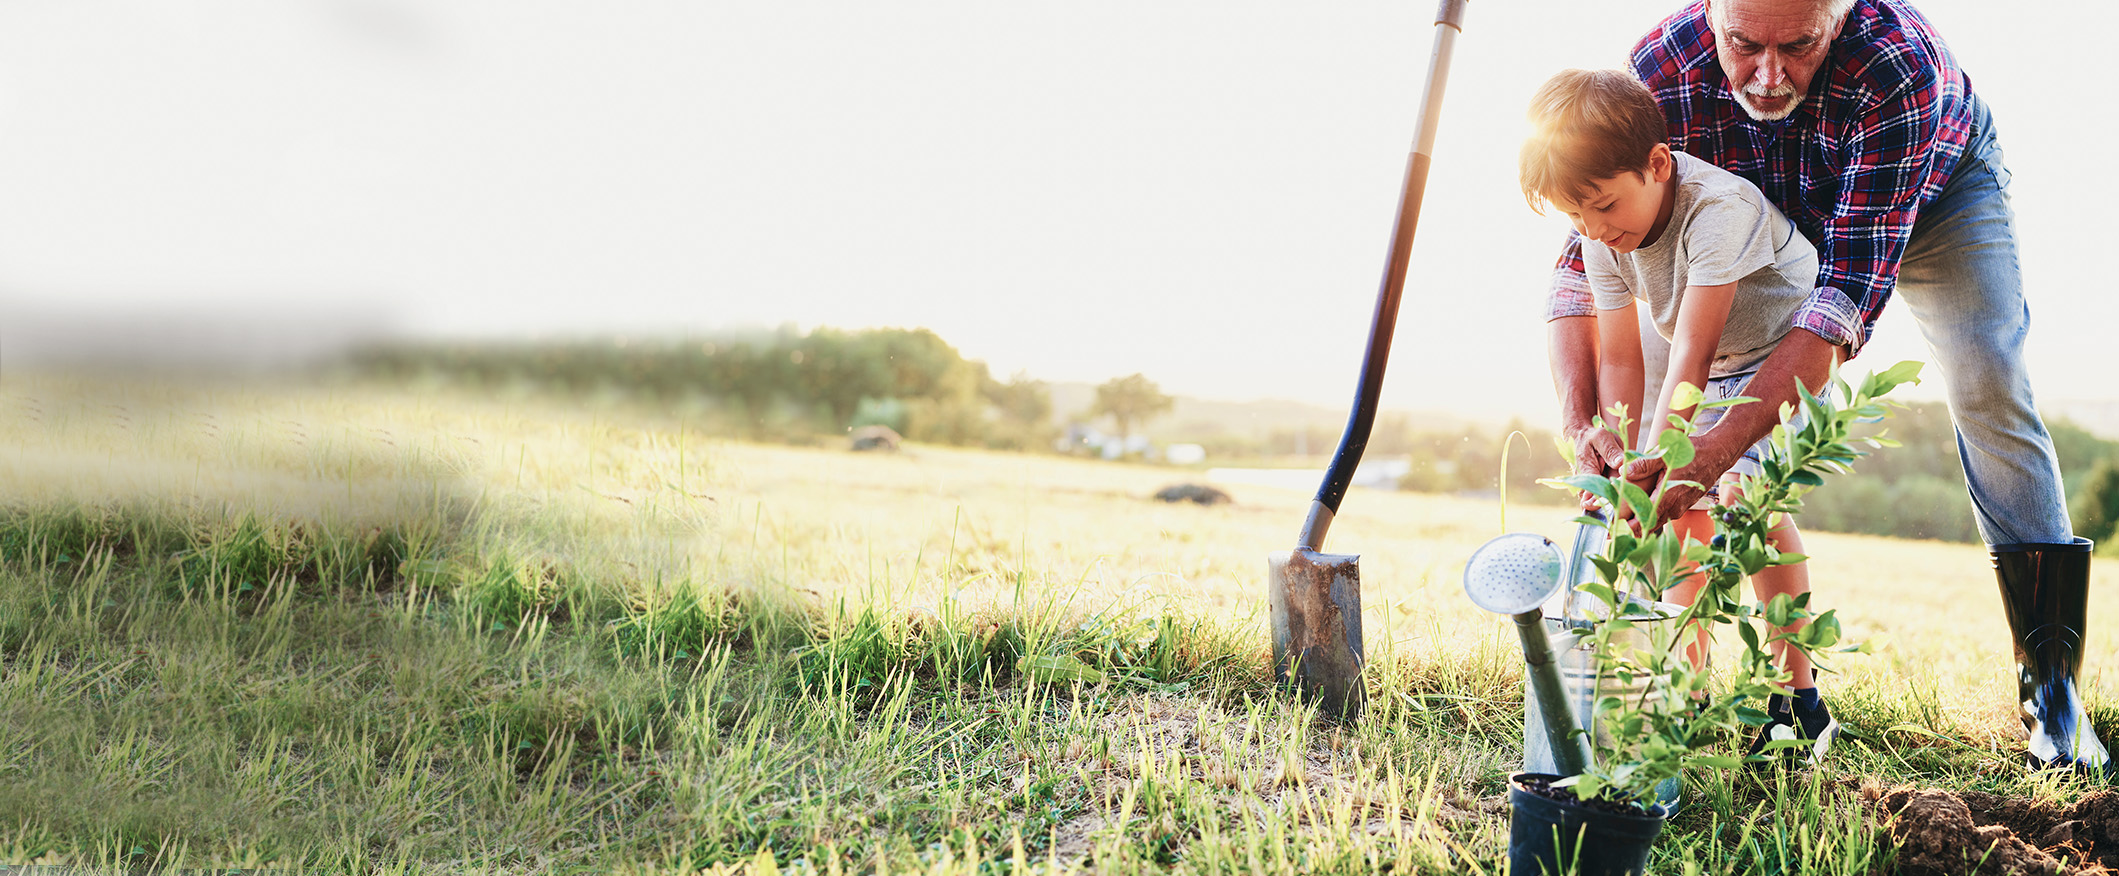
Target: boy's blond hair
x=1586 y=125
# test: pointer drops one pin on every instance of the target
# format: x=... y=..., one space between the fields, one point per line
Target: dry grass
x=642 y=509
x=646 y=499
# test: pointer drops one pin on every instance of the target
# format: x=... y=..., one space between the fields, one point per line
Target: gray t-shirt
x=1721 y=229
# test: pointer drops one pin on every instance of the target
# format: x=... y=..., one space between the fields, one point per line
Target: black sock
x=1806 y=699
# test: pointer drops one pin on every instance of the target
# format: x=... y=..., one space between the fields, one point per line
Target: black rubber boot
x=2045 y=590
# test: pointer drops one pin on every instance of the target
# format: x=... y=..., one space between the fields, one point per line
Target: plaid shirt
x=1877 y=138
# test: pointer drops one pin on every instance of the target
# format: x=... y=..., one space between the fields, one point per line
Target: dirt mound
x=1939 y=832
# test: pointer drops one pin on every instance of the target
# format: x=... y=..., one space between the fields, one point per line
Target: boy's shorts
x=1727 y=387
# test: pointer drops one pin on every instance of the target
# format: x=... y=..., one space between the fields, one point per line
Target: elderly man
x=1852 y=115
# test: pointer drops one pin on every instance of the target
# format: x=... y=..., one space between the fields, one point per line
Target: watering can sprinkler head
x=1514 y=574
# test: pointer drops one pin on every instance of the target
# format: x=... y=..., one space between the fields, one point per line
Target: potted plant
x=1603 y=820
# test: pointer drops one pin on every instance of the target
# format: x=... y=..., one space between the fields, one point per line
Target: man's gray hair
x=1833 y=10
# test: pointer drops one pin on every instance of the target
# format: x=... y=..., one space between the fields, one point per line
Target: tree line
x=793 y=386
x=1918 y=490
x=782 y=385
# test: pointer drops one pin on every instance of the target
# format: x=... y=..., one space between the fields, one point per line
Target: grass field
x=356 y=629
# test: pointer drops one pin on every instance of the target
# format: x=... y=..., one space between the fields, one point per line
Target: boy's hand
x=1597 y=452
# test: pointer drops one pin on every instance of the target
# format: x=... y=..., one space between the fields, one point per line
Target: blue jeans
x=1961 y=280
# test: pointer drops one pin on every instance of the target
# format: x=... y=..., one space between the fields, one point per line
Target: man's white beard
x=1743 y=99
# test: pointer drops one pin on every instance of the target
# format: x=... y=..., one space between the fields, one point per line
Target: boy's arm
x=1619 y=370
x=1571 y=347
x=1701 y=315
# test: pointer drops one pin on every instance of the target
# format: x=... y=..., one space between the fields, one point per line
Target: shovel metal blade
x=1316 y=614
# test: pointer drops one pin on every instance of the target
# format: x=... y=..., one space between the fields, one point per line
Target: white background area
x=1200 y=191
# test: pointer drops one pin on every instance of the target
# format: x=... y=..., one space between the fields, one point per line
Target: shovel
x=1316 y=597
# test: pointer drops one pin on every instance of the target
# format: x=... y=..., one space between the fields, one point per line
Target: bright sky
x=1200 y=191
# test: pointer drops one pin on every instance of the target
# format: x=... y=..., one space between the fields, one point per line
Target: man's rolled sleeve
x=1831 y=315
x=1569 y=295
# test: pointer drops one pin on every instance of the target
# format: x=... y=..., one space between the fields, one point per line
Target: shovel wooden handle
x=1449 y=21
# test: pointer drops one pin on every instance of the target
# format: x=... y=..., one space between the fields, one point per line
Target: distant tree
x=750 y=374
x=1021 y=400
x=1129 y=400
x=2096 y=506
x=1023 y=413
x=838 y=369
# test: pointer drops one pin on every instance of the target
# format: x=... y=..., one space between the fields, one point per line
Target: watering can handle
x=1589 y=538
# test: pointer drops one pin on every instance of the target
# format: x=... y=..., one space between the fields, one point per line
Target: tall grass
x=352 y=632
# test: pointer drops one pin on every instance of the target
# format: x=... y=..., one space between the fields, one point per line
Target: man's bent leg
x=1961 y=279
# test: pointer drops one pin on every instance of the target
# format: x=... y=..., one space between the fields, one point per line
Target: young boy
x=1718 y=267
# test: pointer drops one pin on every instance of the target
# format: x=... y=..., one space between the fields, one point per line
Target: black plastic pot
x=1549 y=836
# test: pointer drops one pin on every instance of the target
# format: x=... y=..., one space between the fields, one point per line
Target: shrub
x=1686 y=710
x=2096 y=505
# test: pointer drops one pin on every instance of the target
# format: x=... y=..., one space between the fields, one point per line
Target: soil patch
x=1940 y=832
x=1541 y=785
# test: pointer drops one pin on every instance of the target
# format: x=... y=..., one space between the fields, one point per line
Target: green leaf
x=1903 y=372
x=1580 y=481
x=1789 y=559
x=1595 y=485
x=1677 y=448
x=1806 y=478
x=1643 y=508
x=1058 y=668
x=1778 y=610
x=1643 y=551
x=1564 y=447
x=433 y=568
x=1717 y=761
x=1823 y=631
x=1686 y=396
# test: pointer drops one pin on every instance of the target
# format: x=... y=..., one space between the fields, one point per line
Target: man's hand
x=1597 y=452
x=1801 y=356
x=1677 y=498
